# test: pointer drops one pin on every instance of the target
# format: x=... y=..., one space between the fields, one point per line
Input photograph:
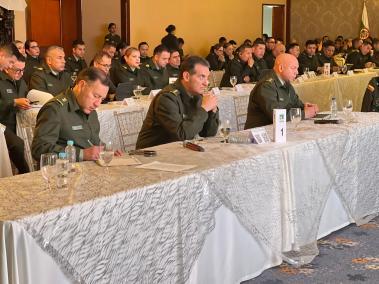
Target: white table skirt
x=5 y=164
x=230 y=253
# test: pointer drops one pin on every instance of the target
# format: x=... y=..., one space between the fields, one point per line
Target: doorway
x=273 y=20
x=125 y=21
x=54 y=22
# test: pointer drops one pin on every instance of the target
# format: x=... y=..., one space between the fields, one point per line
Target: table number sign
x=259 y=135
x=326 y=69
x=279 y=121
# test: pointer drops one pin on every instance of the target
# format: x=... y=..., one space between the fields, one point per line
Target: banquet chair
x=215 y=78
x=129 y=125
x=240 y=106
x=27 y=134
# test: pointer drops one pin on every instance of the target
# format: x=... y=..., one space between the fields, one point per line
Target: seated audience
x=143 y=48
x=33 y=59
x=76 y=62
x=294 y=49
x=13 y=92
x=279 y=48
x=375 y=56
x=51 y=76
x=155 y=72
x=370 y=101
x=72 y=116
x=182 y=110
x=112 y=37
x=228 y=52
x=327 y=57
x=308 y=58
x=103 y=61
x=173 y=64
x=259 y=63
x=361 y=58
x=276 y=92
x=216 y=57
x=20 y=46
x=270 y=44
x=240 y=66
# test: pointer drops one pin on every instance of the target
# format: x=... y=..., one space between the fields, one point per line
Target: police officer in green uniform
x=361 y=58
x=370 y=101
x=75 y=62
x=155 y=71
x=326 y=56
x=51 y=77
x=276 y=92
x=13 y=90
x=174 y=64
x=308 y=58
x=129 y=73
x=102 y=61
x=240 y=66
x=181 y=110
x=143 y=48
x=33 y=61
x=72 y=116
x=112 y=37
x=260 y=65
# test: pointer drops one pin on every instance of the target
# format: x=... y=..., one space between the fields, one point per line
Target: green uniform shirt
x=322 y=59
x=10 y=90
x=74 y=66
x=237 y=68
x=115 y=39
x=306 y=61
x=267 y=95
x=174 y=115
x=44 y=80
x=172 y=71
x=60 y=120
x=155 y=78
x=358 y=59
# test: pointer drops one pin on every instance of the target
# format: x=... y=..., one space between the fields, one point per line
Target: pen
x=90 y=143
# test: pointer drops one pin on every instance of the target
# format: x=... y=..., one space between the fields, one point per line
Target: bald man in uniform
x=276 y=92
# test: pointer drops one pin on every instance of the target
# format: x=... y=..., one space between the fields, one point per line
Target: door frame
x=285 y=33
x=125 y=20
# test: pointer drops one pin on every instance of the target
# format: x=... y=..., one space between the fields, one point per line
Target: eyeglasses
x=105 y=65
x=18 y=70
x=36 y=46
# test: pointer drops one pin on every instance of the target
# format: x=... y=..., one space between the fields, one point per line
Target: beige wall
x=199 y=22
x=315 y=18
x=20 y=25
x=96 y=15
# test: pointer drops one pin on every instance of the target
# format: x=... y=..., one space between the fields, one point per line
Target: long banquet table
x=137 y=225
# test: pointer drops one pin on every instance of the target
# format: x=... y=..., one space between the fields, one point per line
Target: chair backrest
x=240 y=106
x=129 y=124
x=27 y=134
x=215 y=78
x=39 y=96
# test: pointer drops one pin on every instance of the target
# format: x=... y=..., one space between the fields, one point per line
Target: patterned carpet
x=350 y=255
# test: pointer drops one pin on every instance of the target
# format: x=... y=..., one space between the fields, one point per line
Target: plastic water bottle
x=62 y=171
x=71 y=155
x=333 y=108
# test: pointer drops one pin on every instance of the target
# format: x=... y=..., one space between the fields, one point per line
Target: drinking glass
x=233 y=80
x=306 y=71
x=295 y=116
x=348 y=109
x=48 y=165
x=225 y=130
x=106 y=154
x=138 y=92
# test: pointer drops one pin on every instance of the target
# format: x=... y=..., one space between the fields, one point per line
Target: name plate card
x=129 y=102
x=335 y=74
x=259 y=136
x=312 y=74
x=153 y=93
x=216 y=91
x=326 y=69
x=300 y=79
x=172 y=80
x=350 y=73
x=365 y=70
x=280 y=126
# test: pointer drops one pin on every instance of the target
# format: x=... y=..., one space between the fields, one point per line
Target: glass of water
x=295 y=116
x=106 y=154
x=233 y=80
x=48 y=165
x=225 y=130
x=138 y=92
x=348 y=109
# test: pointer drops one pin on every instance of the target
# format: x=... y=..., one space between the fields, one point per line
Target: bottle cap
x=70 y=143
x=62 y=155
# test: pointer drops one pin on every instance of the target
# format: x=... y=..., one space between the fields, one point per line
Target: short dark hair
x=91 y=75
x=173 y=50
x=375 y=41
x=142 y=43
x=222 y=39
x=310 y=41
x=328 y=43
x=232 y=42
x=108 y=44
x=121 y=45
x=226 y=45
x=216 y=46
x=98 y=56
x=243 y=47
x=159 y=49
x=189 y=63
x=170 y=28
x=180 y=40
x=110 y=25
x=258 y=41
x=77 y=42
x=291 y=45
x=28 y=42
x=367 y=42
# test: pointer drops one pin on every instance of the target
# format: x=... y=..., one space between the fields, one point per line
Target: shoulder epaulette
x=39 y=68
x=175 y=92
x=61 y=101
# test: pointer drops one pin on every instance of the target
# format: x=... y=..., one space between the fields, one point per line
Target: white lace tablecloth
x=5 y=164
x=136 y=225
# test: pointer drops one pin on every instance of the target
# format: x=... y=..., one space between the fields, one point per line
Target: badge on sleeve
x=77 y=127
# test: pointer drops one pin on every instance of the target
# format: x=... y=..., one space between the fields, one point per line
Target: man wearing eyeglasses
x=12 y=99
x=51 y=77
x=72 y=116
x=33 y=61
x=103 y=61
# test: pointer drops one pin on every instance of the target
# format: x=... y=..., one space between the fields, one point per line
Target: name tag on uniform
x=172 y=80
x=77 y=127
x=9 y=91
x=49 y=84
x=131 y=79
x=155 y=77
x=281 y=99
